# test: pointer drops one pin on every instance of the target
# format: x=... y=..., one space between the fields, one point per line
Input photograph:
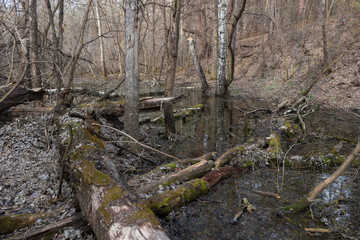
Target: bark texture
x=221 y=70
x=34 y=46
x=131 y=123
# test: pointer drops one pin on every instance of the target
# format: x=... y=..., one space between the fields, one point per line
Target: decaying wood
x=194 y=171
x=117 y=109
x=19 y=95
x=9 y=224
x=269 y=194
x=318 y=230
x=226 y=157
x=311 y=196
x=163 y=203
x=112 y=211
x=50 y=230
x=244 y=206
x=169 y=167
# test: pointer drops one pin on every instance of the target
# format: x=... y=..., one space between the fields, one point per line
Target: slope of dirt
x=284 y=67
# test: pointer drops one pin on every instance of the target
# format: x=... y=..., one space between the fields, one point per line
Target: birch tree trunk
x=214 y=53
x=221 y=71
x=101 y=42
x=34 y=46
x=131 y=121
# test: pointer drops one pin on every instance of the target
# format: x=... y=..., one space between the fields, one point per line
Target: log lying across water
x=117 y=109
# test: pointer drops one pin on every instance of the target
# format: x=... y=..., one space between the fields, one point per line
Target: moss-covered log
x=112 y=211
x=9 y=224
x=162 y=204
x=194 y=171
x=227 y=156
x=182 y=113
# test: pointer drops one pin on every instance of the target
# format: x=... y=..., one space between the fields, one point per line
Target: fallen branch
x=134 y=141
x=268 y=194
x=311 y=196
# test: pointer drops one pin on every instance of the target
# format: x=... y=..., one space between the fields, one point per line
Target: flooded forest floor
x=264 y=77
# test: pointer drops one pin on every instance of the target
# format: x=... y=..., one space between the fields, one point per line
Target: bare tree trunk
x=221 y=71
x=80 y=48
x=56 y=59
x=131 y=123
x=323 y=15
x=204 y=85
x=214 y=52
x=34 y=46
x=202 y=26
x=173 y=48
x=231 y=40
x=301 y=9
x=101 y=42
x=173 y=55
x=271 y=9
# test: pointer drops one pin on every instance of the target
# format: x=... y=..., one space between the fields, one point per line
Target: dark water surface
x=222 y=125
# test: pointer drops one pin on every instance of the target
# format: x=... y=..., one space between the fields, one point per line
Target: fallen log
x=9 y=224
x=169 y=167
x=117 y=109
x=226 y=157
x=50 y=230
x=163 y=203
x=182 y=113
x=19 y=95
x=112 y=211
x=194 y=171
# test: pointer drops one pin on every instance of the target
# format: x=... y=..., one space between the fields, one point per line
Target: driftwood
x=18 y=96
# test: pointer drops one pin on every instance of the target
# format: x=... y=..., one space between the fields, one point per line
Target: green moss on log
x=110 y=195
x=162 y=204
x=92 y=176
x=9 y=224
x=143 y=212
